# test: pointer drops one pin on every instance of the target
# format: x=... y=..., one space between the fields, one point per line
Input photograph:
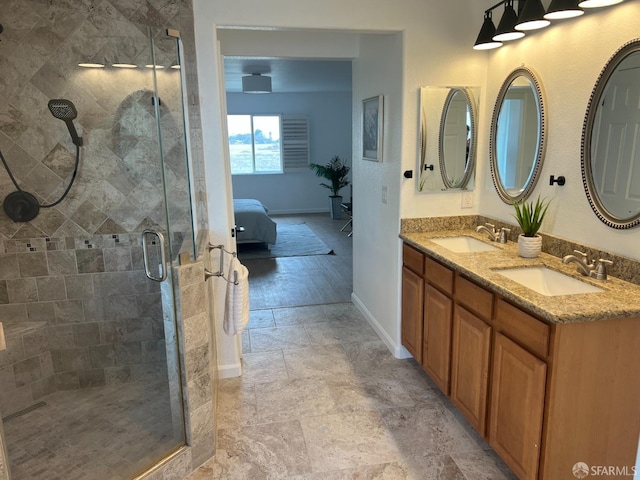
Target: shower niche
x=90 y=383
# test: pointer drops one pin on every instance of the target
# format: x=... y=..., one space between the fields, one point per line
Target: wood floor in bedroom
x=307 y=280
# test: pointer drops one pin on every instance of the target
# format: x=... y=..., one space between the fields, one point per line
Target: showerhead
x=65 y=110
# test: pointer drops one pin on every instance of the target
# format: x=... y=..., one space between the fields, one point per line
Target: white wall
x=568 y=59
x=330 y=134
x=431 y=46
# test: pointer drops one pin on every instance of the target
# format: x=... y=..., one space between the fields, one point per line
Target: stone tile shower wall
x=41 y=45
x=76 y=313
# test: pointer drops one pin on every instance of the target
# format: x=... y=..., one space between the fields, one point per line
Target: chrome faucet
x=587 y=268
x=495 y=235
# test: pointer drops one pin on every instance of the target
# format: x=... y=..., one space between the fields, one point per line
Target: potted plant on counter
x=336 y=172
x=530 y=216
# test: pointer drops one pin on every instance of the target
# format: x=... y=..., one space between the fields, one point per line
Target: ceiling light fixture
x=532 y=16
x=560 y=9
x=485 y=39
x=256 y=83
x=506 y=28
x=598 y=3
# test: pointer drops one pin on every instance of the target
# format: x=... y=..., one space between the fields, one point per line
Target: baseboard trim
x=397 y=350
x=230 y=371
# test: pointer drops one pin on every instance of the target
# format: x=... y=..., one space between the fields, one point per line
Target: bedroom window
x=254 y=144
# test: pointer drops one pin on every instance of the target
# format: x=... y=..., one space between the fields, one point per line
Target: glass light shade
x=91 y=65
x=532 y=16
x=124 y=65
x=598 y=3
x=560 y=9
x=485 y=39
x=506 y=30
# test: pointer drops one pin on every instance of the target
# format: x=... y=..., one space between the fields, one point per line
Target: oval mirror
x=611 y=141
x=457 y=139
x=517 y=142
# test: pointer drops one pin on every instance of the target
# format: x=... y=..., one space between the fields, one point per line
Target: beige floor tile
x=334 y=332
x=367 y=392
x=237 y=405
x=425 y=431
x=270 y=451
x=299 y=315
x=326 y=361
x=385 y=471
x=348 y=440
x=263 y=367
x=294 y=399
x=483 y=465
x=278 y=338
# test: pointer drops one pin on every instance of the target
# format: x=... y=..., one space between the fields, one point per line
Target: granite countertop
x=619 y=299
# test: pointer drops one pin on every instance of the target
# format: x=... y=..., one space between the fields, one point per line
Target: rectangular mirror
x=447 y=138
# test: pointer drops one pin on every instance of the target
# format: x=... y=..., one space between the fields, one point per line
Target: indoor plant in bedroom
x=530 y=216
x=336 y=172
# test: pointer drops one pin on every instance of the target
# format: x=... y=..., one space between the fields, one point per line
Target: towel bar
x=208 y=274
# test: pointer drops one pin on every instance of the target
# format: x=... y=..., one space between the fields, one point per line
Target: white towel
x=236 y=312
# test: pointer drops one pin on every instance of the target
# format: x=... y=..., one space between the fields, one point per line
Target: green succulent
x=530 y=215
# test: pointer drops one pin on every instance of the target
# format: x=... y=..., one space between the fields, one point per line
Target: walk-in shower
x=90 y=381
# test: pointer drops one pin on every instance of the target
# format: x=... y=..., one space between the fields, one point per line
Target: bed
x=254 y=217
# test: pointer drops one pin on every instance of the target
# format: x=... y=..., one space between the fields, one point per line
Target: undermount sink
x=547 y=281
x=464 y=244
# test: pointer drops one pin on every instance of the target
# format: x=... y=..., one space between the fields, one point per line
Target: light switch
x=384 y=194
x=467 y=199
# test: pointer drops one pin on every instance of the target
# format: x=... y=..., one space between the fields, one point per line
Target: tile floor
x=322 y=398
x=101 y=433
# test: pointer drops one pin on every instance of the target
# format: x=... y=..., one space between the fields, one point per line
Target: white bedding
x=253 y=216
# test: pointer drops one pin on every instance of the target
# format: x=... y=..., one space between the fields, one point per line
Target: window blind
x=295 y=143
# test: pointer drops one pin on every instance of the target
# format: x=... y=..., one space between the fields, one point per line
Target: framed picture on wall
x=372 y=131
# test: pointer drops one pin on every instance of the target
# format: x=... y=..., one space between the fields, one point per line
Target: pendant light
x=532 y=16
x=598 y=3
x=506 y=28
x=560 y=9
x=485 y=39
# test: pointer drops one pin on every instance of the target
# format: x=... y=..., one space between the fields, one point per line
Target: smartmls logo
x=582 y=470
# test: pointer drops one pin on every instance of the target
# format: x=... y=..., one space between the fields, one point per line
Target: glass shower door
x=90 y=381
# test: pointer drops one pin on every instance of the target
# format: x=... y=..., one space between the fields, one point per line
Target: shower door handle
x=163 y=256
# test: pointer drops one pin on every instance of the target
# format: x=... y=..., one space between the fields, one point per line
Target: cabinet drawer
x=438 y=275
x=474 y=297
x=413 y=259
x=523 y=328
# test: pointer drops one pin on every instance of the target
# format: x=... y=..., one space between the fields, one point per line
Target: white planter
x=529 y=247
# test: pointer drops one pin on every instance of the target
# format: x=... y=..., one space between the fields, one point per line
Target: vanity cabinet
x=471 y=353
x=436 y=348
x=412 y=300
x=517 y=406
x=544 y=395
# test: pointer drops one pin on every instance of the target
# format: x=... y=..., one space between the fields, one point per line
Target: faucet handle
x=492 y=226
x=582 y=254
x=504 y=232
x=600 y=272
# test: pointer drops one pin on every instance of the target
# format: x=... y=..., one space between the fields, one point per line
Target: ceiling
x=290 y=76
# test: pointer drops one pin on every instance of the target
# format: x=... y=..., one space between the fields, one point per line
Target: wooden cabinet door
x=517 y=404
x=471 y=347
x=436 y=348
x=412 y=302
